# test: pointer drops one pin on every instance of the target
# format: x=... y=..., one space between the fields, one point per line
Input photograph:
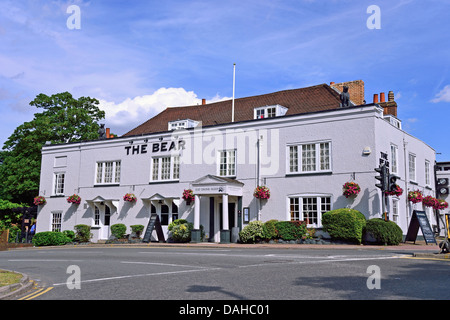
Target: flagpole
x=234 y=84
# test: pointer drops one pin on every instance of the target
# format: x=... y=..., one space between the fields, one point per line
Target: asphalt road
x=150 y=273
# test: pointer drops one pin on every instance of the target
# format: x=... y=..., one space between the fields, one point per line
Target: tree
x=63 y=119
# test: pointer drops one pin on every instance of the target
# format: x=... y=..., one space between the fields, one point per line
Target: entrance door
x=105 y=223
x=231 y=213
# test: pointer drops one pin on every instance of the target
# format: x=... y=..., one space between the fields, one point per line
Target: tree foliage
x=63 y=119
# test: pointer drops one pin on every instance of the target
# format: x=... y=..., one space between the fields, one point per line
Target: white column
x=225 y=212
x=197 y=213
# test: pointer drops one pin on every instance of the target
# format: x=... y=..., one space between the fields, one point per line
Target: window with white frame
x=395 y=210
x=58 y=184
x=107 y=172
x=96 y=216
x=56 y=221
x=394 y=158
x=310 y=157
x=165 y=168
x=227 y=163
x=269 y=111
x=309 y=208
x=412 y=167
x=427 y=173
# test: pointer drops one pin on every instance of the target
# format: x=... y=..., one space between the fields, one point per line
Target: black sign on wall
x=420 y=219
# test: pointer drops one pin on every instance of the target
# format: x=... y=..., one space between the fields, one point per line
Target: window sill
x=312 y=173
x=57 y=196
x=107 y=185
x=163 y=181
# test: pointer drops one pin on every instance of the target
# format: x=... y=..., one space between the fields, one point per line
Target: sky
x=139 y=57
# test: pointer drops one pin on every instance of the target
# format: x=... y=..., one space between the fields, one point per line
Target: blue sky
x=138 y=57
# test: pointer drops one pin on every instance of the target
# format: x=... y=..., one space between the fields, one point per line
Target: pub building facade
x=302 y=144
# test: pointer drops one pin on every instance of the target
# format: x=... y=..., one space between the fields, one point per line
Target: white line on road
x=164 y=264
x=139 y=275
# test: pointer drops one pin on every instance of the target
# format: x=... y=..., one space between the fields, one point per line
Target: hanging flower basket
x=351 y=189
x=397 y=192
x=262 y=192
x=39 y=201
x=429 y=201
x=188 y=196
x=130 y=197
x=415 y=196
x=75 y=199
x=441 y=204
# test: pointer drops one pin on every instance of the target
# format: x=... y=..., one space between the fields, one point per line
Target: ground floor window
x=309 y=209
x=395 y=210
x=56 y=221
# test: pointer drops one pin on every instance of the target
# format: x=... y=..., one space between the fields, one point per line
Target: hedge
x=50 y=238
x=384 y=232
x=344 y=224
x=273 y=229
x=118 y=230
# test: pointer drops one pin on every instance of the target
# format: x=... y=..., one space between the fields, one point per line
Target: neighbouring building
x=300 y=143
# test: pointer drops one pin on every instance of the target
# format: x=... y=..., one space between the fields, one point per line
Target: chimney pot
x=331 y=83
x=382 y=97
x=391 y=96
x=203 y=101
x=375 y=98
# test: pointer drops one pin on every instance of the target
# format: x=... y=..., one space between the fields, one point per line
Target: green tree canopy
x=63 y=119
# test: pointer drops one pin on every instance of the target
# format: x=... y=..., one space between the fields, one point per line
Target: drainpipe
x=406 y=182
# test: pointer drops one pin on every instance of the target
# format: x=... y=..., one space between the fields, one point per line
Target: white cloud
x=124 y=116
x=443 y=95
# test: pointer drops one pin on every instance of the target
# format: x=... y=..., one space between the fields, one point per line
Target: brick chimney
x=355 y=89
x=203 y=101
x=390 y=106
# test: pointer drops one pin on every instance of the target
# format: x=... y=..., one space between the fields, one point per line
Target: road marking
x=426 y=258
x=163 y=264
x=139 y=275
x=42 y=260
x=37 y=293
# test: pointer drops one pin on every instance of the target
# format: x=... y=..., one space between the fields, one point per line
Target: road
x=153 y=273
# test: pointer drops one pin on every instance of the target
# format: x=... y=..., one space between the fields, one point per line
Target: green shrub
x=270 y=230
x=69 y=234
x=83 y=233
x=252 y=233
x=50 y=238
x=182 y=232
x=118 y=230
x=176 y=222
x=137 y=229
x=344 y=224
x=291 y=230
x=385 y=232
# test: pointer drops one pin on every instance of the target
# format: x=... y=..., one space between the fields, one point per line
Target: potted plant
x=415 y=196
x=188 y=196
x=397 y=191
x=351 y=189
x=441 y=204
x=130 y=197
x=74 y=199
x=262 y=192
x=39 y=201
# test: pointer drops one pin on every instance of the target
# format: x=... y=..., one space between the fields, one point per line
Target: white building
x=299 y=143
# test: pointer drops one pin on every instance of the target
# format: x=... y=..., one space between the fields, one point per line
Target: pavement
x=419 y=250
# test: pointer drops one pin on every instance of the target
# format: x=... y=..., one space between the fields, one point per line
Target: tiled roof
x=311 y=99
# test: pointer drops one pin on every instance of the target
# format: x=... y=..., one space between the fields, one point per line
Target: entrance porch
x=224 y=210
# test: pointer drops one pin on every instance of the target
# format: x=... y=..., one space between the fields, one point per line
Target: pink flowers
x=130 y=197
x=436 y=204
x=262 y=192
x=351 y=189
x=188 y=195
x=415 y=196
x=397 y=192
x=39 y=200
x=75 y=199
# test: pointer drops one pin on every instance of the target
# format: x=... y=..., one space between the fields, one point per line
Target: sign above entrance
x=210 y=184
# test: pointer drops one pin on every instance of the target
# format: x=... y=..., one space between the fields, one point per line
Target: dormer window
x=269 y=111
x=182 y=124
